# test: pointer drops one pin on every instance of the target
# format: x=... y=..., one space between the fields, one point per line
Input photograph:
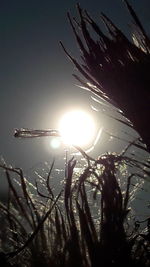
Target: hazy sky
x=35 y=76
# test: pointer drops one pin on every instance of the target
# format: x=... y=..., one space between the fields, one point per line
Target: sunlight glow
x=77 y=128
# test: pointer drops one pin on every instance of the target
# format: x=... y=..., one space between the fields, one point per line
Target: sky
x=36 y=83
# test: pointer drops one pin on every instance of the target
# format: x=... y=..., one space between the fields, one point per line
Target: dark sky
x=35 y=76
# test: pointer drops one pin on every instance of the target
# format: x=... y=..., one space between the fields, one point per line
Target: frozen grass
x=41 y=229
x=114 y=67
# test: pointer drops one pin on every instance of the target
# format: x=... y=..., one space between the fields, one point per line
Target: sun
x=77 y=128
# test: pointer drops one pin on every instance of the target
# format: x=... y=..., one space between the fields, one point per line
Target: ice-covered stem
x=116 y=68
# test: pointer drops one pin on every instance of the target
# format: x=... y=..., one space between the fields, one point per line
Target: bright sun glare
x=77 y=128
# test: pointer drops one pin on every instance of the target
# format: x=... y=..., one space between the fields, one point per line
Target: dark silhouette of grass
x=115 y=68
x=47 y=230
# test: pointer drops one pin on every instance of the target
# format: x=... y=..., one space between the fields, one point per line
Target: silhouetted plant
x=43 y=229
x=115 y=68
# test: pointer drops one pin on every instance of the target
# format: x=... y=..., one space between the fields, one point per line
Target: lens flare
x=55 y=143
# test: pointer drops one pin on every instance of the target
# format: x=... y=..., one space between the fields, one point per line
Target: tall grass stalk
x=42 y=229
